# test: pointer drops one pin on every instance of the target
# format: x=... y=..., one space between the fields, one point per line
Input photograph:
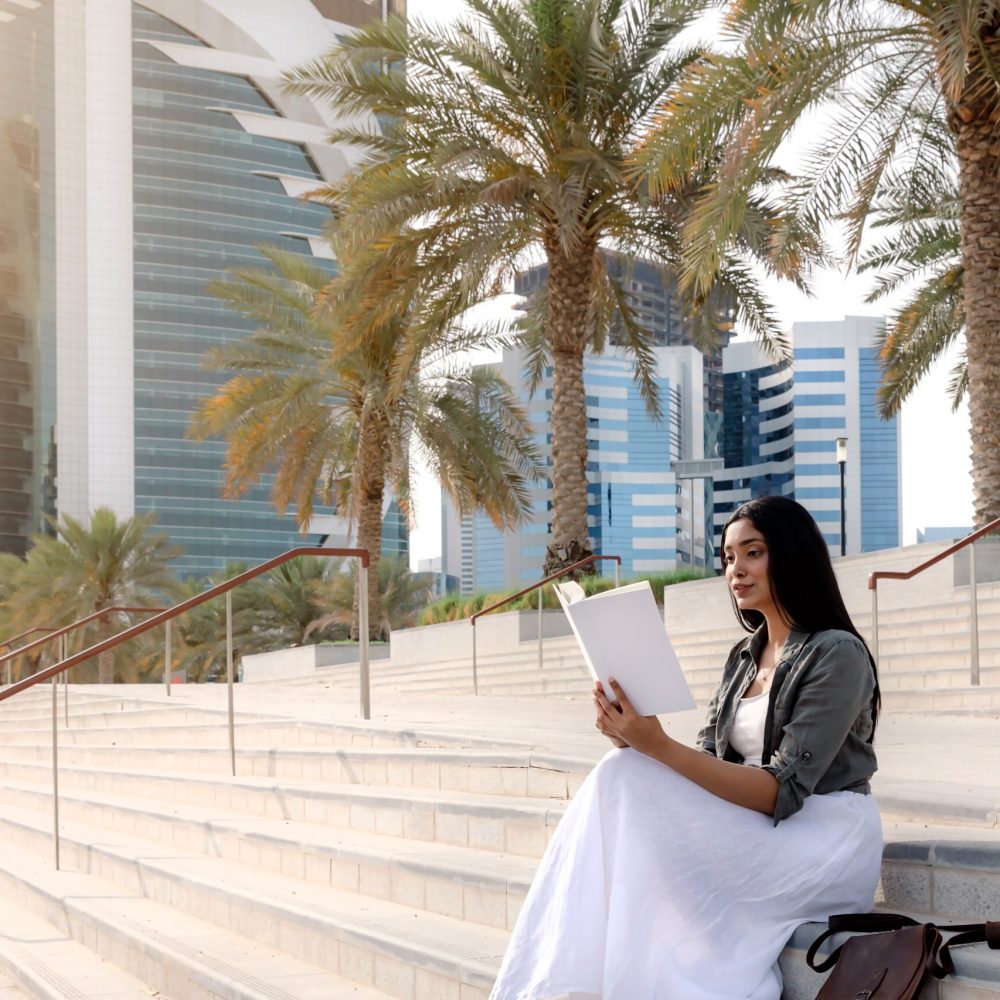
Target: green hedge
x=456 y=607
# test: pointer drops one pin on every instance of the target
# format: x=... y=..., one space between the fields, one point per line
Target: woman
x=679 y=873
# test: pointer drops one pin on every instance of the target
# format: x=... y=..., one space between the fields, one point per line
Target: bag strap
x=869 y=922
x=970 y=934
x=856 y=922
x=939 y=962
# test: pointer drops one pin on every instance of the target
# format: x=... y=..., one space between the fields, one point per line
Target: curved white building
x=145 y=148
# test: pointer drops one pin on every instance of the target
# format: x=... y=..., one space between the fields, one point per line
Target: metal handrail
x=166 y=616
x=57 y=632
x=527 y=590
x=25 y=634
x=7 y=643
x=969 y=540
x=63 y=632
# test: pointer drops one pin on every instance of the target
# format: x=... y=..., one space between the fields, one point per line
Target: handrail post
x=874 y=586
x=229 y=679
x=363 y=627
x=973 y=618
x=475 y=673
x=540 y=589
x=618 y=574
x=168 y=656
x=55 y=770
x=62 y=656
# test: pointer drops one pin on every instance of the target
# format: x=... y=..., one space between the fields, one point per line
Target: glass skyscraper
x=636 y=507
x=27 y=269
x=205 y=195
x=757 y=431
x=781 y=426
x=837 y=374
x=147 y=148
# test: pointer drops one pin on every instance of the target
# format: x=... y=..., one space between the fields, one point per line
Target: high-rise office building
x=636 y=509
x=782 y=422
x=654 y=300
x=837 y=374
x=757 y=431
x=145 y=149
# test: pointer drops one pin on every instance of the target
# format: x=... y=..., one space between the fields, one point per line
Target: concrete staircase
x=346 y=860
x=923 y=660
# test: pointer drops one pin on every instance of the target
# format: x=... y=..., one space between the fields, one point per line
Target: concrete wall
x=708 y=600
x=301 y=661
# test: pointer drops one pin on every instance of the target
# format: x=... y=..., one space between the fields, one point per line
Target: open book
x=622 y=635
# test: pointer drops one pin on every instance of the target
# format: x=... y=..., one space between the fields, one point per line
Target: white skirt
x=654 y=889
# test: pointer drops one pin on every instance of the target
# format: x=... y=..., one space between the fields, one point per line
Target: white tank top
x=747 y=737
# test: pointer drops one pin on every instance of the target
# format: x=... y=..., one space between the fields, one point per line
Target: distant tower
x=757 y=430
x=837 y=375
x=636 y=507
x=654 y=299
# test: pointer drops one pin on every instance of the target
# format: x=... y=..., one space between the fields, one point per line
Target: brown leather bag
x=894 y=958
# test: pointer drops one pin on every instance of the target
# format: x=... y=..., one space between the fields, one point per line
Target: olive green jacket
x=819 y=715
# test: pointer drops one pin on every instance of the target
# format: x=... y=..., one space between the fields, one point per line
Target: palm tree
x=922 y=251
x=912 y=84
x=269 y=612
x=508 y=138
x=85 y=568
x=402 y=595
x=335 y=412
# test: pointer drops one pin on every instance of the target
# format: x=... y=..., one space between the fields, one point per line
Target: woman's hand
x=624 y=726
x=602 y=726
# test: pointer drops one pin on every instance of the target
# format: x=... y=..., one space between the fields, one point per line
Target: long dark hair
x=801 y=575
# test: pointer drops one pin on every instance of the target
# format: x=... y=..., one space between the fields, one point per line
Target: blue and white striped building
x=781 y=426
x=837 y=374
x=636 y=507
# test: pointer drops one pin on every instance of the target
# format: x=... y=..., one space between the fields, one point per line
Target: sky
x=937 y=485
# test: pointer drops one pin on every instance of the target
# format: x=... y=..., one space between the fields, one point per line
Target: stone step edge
x=38 y=959
x=905 y=844
x=519 y=832
x=898 y=797
x=450 y=800
x=429 y=858
x=429 y=941
x=524 y=758
x=902 y=803
x=423 y=738
x=219 y=961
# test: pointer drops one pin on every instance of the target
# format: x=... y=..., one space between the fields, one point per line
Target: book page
x=622 y=635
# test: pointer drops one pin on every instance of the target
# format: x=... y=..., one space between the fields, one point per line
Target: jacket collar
x=793 y=644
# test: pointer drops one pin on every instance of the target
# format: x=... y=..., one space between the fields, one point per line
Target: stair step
x=952 y=872
x=40 y=961
x=505 y=824
x=286 y=943
x=502 y=773
x=464 y=883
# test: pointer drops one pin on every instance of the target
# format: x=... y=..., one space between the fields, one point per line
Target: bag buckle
x=868 y=991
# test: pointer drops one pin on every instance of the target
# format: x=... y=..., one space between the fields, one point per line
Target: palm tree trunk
x=979 y=186
x=570 y=291
x=372 y=485
x=106 y=660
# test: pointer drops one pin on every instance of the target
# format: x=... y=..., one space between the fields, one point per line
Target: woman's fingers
x=624 y=704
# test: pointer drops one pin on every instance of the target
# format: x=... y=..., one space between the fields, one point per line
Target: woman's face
x=746 y=561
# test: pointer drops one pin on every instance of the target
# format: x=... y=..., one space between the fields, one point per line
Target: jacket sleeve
x=829 y=702
x=706 y=735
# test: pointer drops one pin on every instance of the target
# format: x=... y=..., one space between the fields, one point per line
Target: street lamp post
x=842 y=462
